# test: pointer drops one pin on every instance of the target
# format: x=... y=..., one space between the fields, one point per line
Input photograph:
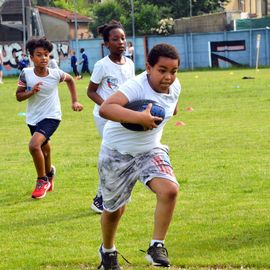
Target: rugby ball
x=140 y=105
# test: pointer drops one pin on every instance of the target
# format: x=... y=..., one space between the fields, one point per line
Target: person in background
x=129 y=50
x=84 y=63
x=23 y=63
x=39 y=86
x=1 y=67
x=52 y=62
x=74 y=64
x=108 y=74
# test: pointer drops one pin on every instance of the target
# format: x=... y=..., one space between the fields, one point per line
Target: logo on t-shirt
x=112 y=83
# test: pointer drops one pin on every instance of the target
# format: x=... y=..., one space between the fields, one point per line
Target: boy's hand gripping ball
x=140 y=105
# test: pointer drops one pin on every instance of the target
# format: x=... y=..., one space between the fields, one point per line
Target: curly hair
x=105 y=29
x=32 y=44
x=162 y=49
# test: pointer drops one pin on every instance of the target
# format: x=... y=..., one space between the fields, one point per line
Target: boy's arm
x=82 y=60
x=22 y=94
x=92 y=93
x=175 y=109
x=113 y=109
x=76 y=106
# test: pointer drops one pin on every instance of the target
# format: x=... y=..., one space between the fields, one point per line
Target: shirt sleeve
x=62 y=75
x=132 y=89
x=22 y=79
x=98 y=73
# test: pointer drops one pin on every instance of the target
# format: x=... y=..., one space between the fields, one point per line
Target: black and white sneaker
x=97 y=205
x=157 y=255
x=109 y=260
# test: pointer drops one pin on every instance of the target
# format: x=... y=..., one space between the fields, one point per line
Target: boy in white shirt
x=39 y=85
x=127 y=156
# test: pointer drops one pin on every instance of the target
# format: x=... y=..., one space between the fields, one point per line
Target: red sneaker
x=41 y=189
x=51 y=175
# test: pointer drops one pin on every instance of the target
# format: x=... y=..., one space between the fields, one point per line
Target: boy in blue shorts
x=127 y=156
x=39 y=85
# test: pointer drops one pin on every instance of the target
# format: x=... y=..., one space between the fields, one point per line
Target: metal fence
x=197 y=50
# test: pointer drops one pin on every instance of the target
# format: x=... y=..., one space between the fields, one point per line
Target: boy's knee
x=34 y=146
x=113 y=216
x=172 y=191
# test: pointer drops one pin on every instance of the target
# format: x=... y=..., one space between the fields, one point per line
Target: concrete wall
x=206 y=23
x=54 y=28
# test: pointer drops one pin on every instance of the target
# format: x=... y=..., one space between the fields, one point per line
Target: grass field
x=221 y=158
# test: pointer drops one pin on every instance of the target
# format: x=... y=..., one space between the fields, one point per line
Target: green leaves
x=147 y=13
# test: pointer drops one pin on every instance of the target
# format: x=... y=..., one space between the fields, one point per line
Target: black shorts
x=46 y=127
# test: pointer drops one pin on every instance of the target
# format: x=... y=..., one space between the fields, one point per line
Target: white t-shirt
x=53 y=64
x=125 y=141
x=110 y=76
x=45 y=103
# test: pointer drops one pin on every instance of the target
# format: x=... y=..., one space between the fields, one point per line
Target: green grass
x=221 y=158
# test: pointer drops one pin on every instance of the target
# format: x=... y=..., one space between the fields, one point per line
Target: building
x=20 y=20
x=59 y=24
x=249 y=8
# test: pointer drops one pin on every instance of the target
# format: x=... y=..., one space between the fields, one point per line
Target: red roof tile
x=62 y=14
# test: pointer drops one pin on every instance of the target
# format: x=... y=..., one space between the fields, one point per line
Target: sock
x=50 y=174
x=108 y=249
x=45 y=178
x=153 y=241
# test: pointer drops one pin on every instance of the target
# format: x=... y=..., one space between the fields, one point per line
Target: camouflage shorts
x=119 y=173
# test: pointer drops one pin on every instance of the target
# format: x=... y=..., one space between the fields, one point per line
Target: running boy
x=39 y=84
x=127 y=156
x=109 y=72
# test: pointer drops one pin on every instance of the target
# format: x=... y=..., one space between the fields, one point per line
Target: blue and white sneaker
x=97 y=205
x=157 y=255
x=109 y=260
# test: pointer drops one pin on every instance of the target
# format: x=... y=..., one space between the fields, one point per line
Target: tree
x=147 y=19
x=42 y=3
x=104 y=13
x=148 y=13
x=181 y=8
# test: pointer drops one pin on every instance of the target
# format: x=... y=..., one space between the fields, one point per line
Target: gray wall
x=54 y=28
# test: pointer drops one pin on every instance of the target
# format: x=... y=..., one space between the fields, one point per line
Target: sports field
x=221 y=157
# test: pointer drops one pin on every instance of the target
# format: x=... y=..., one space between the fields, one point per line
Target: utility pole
x=24 y=32
x=133 y=29
x=76 y=27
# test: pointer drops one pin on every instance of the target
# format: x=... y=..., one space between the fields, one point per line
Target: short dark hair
x=162 y=49
x=32 y=44
x=105 y=29
x=81 y=50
